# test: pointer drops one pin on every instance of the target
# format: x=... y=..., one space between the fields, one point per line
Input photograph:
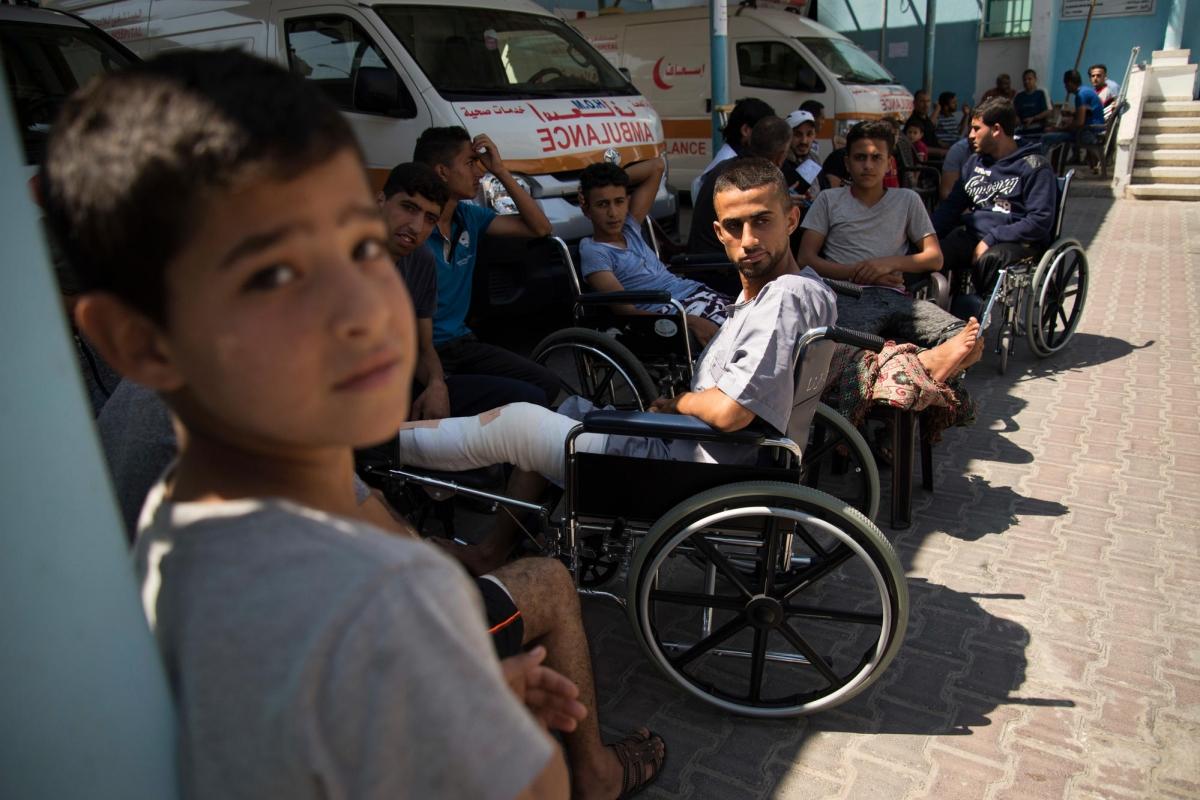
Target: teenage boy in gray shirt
x=875 y=236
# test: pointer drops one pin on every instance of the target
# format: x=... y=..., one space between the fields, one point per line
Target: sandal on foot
x=634 y=752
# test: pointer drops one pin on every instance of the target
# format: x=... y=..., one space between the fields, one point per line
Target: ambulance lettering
x=589 y=134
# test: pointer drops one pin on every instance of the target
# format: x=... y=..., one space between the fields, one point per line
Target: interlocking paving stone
x=1053 y=648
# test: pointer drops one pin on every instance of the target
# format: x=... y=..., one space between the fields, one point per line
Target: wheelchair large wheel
x=838 y=461
x=813 y=622
x=1055 y=301
x=595 y=367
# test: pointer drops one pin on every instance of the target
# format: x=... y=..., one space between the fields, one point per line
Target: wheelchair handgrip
x=867 y=341
x=715 y=258
x=614 y=298
x=845 y=288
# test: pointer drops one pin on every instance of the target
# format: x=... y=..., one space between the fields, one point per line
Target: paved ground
x=1054 y=639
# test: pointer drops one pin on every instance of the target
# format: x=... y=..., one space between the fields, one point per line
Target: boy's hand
x=872 y=273
x=433 y=403
x=548 y=695
x=664 y=405
x=490 y=157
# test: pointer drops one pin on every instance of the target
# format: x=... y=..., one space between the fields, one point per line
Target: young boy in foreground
x=236 y=262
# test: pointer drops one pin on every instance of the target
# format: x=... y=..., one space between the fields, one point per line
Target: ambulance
x=507 y=68
x=774 y=54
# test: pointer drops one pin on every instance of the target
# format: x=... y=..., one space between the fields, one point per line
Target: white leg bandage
x=525 y=435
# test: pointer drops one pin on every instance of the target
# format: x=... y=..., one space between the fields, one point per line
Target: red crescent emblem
x=658 y=81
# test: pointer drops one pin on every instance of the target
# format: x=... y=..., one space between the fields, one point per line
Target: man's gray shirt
x=855 y=232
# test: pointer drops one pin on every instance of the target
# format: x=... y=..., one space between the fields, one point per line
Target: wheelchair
x=625 y=362
x=750 y=591
x=1042 y=297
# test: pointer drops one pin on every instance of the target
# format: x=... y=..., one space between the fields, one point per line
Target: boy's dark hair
x=599 y=175
x=1072 y=77
x=1097 y=66
x=750 y=173
x=1032 y=72
x=998 y=111
x=814 y=107
x=134 y=156
x=945 y=97
x=416 y=179
x=875 y=130
x=912 y=123
x=440 y=145
x=769 y=138
x=746 y=111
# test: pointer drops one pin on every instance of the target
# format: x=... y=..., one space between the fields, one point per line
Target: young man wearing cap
x=801 y=169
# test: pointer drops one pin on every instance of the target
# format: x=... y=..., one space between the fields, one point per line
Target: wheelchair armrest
x=668 y=426
x=845 y=288
x=867 y=341
x=684 y=269
x=620 y=298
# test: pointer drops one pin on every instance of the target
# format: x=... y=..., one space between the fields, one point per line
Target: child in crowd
x=616 y=258
x=234 y=260
x=916 y=134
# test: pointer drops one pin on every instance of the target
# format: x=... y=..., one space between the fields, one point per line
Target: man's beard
x=764 y=267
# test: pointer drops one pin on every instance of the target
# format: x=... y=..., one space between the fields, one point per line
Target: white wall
x=996 y=56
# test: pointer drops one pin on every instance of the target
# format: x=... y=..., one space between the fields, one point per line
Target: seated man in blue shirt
x=412 y=200
x=461 y=162
x=1033 y=106
x=616 y=258
x=1083 y=114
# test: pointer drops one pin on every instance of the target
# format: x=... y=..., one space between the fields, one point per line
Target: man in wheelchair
x=744 y=373
x=1002 y=208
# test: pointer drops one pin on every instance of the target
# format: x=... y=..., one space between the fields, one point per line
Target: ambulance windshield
x=471 y=53
x=848 y=61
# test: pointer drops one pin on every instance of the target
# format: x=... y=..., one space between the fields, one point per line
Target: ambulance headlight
x=496 y=197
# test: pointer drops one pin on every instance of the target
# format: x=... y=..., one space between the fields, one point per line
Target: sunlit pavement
x=1054 y=637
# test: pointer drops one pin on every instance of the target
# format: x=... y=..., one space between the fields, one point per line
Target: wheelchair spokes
x=768 y=605
x=596 y=368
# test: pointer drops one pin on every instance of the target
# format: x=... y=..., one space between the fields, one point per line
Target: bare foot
x=643 y=752
x=954 y=354
x=478 y=559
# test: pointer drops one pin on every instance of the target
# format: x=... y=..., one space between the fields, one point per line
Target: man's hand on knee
x=980 y=249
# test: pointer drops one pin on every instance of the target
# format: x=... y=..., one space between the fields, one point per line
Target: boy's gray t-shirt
x=854 y=232
x=313 y=656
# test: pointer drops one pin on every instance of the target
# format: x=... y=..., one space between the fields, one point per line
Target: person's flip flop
x=634 y=752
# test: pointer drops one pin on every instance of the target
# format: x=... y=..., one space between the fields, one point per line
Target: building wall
x=956 y=44
x=1109 y=42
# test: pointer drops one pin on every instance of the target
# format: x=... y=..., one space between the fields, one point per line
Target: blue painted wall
x=955 y=46
x=1110 y=40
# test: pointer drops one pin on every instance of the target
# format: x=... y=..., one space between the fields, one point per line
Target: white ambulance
x=774 y=55
x=507 y=68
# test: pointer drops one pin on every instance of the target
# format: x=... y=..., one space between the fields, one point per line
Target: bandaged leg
x=529 y=437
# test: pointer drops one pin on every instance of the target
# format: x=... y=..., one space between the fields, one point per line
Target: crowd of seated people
x=285 y=595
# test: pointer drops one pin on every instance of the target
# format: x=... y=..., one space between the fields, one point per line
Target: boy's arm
x=529 y=219
x=809 y=254
x=605 y=281
x=434 y=401
x=644 y=178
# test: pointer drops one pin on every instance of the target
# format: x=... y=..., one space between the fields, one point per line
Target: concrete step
x=1169 y=141
x=1163 y=191
x=1167 y=158
x=1171 y=108
x=1165 y=175
x=1170 y=125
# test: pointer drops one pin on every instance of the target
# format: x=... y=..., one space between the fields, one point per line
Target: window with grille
x=1007 y=18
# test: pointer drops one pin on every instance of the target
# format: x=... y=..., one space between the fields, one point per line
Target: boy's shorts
x=504 y=621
